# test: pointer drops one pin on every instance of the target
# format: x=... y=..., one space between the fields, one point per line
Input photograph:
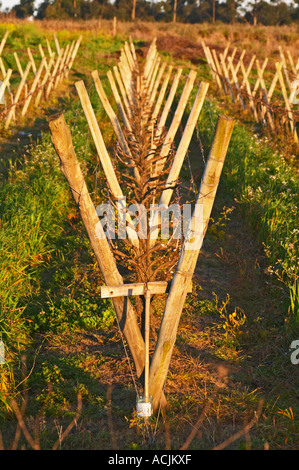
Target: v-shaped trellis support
x=154 y=81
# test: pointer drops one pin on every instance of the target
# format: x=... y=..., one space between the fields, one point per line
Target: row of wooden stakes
x=153 y=79
x=48 y=70
x=243 y=83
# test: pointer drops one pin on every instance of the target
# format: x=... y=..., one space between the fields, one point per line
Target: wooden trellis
x=244 y=84
x=42 y=74
x=154 y=84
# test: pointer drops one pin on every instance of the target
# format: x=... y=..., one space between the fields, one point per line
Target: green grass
x=266 y=189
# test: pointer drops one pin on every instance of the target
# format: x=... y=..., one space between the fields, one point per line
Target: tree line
x=270 y=12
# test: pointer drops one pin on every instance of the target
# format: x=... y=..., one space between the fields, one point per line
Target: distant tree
x=295 y=12
x=275 y=12
x=227 y=12
x=24 y=9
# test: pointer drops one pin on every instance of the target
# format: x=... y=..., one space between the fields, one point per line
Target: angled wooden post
x=226 y=76
x=156 y=84
x=246 y=72
x=73 y=56
x=33 y=87
x=118 y=101
x=53 y=75
x=249 y=93
x=187 y=261
x=3 y=41
x=127 y=319
x=49 y=47
x=5 y=76
x=176 y=120
x=220 y=73
x=17 y=95
x=212 y=65
x=287 y=103
x=239 y=61
x=265 y=109
x=178 y=160
x=105 y=158
x=291 y=62
x=44 y=81
x=162 y=93
x=284 y=66
x=114 y=120
x=122 y=91
x=31 y=58
x=57 y=44
x=169 y=102
x=235 y=80
x=20 y=69
x=60 y=73
x=5 y=82
x=132 y=47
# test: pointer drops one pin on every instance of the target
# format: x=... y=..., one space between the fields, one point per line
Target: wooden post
x=5 y=82
x=133 y=49
x=291 y=62
x=212 y=65
x=60 y=72
x=187 y=261
x=18 y=64
x=104 y=157
x=265 y=109
x=68 y=59
x=235 y=80
x=4 y=73
x=2 y=44
x=17 y=95
x=57 y=44
x=169 y=101
x=219 y=71
x=114 y=120
x=248 y=89
x=114 y=26
x=45 y=79
x=176 y=120
x=73 y=56
x=239 y=61
x=284 y=66
x=247 y=71
x=32 y=60
x=146 y=344
x=162 y=93
x=226 y=76
x=156 y=84
x=122 y=91
x=118 y=101
x=33 y=87
x=53 y=74
x=49 y=47
x=127 y=319
x=178 y=159
x=287 y=103
x=150 y=58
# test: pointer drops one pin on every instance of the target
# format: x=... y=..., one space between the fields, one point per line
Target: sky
x=12 y=3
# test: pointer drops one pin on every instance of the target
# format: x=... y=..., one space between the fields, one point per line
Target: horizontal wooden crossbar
x=154 y=287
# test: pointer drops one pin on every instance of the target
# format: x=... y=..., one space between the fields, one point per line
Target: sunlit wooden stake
x=188 y=259
x=125 y=312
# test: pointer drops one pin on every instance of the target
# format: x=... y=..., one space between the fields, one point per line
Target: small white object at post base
x=144 y=409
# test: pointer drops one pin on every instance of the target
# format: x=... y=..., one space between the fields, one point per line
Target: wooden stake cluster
x=41 y=76
x=153 y=84
x=247 y=85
